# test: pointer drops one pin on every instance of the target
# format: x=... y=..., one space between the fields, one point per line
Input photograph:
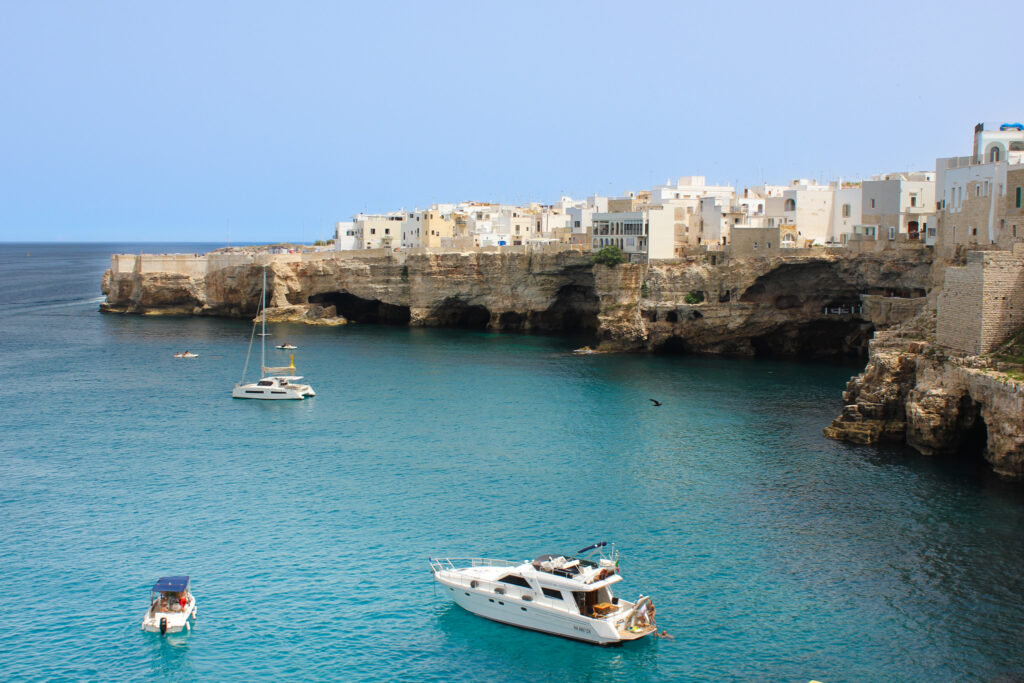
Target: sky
x=260 y=121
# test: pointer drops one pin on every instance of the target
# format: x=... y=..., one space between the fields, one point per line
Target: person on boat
x=182 y=601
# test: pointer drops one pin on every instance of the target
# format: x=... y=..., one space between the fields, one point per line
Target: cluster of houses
x=973 y=201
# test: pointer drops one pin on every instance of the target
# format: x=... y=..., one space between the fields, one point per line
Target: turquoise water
x=771 y=552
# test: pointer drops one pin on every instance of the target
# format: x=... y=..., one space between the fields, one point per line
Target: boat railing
x=438 y=564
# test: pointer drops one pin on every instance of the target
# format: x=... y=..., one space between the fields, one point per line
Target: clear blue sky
x=162 y=121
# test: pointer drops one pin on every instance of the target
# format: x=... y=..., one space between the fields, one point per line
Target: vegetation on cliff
x=610 y=256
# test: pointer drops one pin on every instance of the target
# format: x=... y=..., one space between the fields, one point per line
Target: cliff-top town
x=970 y=200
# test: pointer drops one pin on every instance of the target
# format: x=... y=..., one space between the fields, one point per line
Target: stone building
x=982 y=303
x=899 y=204
x=978 y=196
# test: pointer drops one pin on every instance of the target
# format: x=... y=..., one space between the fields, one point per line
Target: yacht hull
x=514 y=611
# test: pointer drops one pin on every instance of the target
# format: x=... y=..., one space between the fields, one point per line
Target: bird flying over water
x=656 y=403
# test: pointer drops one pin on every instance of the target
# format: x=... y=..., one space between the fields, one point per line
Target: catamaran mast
x=263 y=335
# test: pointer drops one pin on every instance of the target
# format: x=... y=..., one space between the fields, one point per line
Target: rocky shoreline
x=937 y=402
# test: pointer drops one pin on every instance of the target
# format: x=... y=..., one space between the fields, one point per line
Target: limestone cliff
x=939 y=403
x=805 y=305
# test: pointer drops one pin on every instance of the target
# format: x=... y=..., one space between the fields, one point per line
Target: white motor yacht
x=171 y=607
x=568 y=596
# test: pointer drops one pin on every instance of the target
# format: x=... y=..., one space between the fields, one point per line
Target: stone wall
x=960 y=306
x=981 y=303
x=1003 y=300
x=183 y=264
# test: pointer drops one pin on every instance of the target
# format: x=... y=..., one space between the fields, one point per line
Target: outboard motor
x=163 y=625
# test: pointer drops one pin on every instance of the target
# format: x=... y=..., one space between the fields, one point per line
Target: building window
x=913 y=200
x=892 y=232
x=373 y=231
x=1018 y=197
x=872 y=203
x=387 y=231
x=846 y=210
x=993 y=153
x=790 y=205
x=755 y=245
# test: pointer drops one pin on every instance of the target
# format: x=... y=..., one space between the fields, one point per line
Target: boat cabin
x=569 y=583
x=170 y=594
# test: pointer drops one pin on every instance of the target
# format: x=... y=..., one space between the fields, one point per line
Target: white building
x=690 y=187
x=345 y=236
x=648 y=233
x=846 y=212
x=377 y=230
x=899 y=204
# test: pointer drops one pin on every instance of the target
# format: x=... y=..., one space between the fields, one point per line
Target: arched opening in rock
x=363 y=310
x=671 y=317
x=695 y=315
x=672 y=345
x=835 y=338
x=972 y=430
x=574 y=310
x=457 y=313
x=511 y=321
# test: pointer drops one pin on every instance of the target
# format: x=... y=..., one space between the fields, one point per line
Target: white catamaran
x=276 y=383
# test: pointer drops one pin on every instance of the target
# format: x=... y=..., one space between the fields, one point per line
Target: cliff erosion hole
x=574 y=310
x=362 y=310
x=672 y=345
x=457 y=313
x=973 y=431
x=839 y=338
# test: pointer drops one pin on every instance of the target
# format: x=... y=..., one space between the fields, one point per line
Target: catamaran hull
x=242 y=392
x=293 y=392
x=530 y=615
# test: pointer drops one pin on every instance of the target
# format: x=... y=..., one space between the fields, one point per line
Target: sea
x=771 y=553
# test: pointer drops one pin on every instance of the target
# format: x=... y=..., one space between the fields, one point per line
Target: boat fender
x=163 y=625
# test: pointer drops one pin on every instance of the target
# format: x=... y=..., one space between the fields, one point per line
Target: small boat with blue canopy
x=171 y=607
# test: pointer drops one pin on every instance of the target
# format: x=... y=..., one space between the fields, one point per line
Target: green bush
x=609 y=256
x=694 y=297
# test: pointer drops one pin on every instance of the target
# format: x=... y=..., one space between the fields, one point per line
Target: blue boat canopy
x=171 y=584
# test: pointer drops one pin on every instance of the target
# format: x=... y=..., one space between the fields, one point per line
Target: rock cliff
x=806 y=305
x=937 y=402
